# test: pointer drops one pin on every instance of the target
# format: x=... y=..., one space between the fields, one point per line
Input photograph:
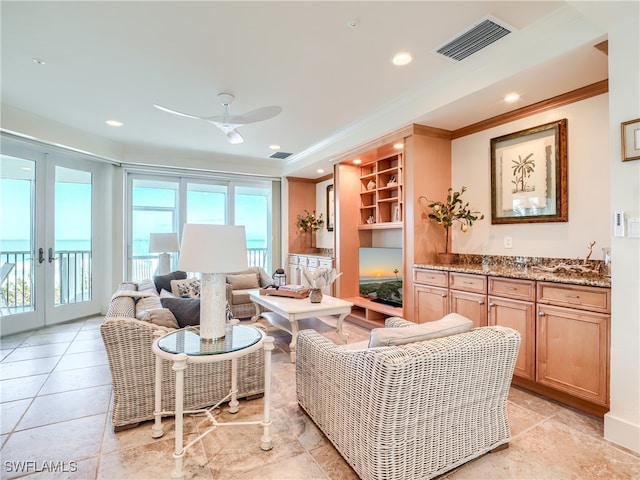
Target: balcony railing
x=145 y=266
x=73 y=274
x=72 y=279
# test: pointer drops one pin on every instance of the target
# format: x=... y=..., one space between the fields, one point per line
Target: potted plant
x=449 y=212
x=309 y=223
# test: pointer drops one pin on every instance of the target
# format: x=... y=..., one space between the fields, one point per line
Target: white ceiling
x=335 y=84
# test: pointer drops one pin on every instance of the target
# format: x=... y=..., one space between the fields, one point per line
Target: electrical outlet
x=508 y=242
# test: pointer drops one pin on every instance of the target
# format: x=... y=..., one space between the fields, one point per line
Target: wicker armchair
x=238 y=290
x=128 y=345
x=413 y=411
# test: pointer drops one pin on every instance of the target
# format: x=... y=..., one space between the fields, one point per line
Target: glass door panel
x=17 y=242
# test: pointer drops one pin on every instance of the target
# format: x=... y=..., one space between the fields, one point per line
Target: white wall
x=324 y=238
x=622 y=423
x=588 y=178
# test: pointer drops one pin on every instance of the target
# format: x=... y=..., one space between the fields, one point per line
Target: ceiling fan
x=228 y=123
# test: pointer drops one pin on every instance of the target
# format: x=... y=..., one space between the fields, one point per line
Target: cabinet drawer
x=293 y=259
x=431 y=277
x=325 y=263
x=468 y=282
x=312 y=262
x=596 y=299
x=512 y=288
x=302 y=261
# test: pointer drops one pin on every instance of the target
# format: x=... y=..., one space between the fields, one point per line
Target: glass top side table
x=183 y=347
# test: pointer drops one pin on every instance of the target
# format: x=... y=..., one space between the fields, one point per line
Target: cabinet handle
x=541 y=314
x=510 y=288
x=466 y=282
x=480 y=302
x=443 y=295
x=492 y=304
x=571 y=296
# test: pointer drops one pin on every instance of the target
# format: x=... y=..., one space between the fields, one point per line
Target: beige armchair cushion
x=450 y=324
x=243 y=281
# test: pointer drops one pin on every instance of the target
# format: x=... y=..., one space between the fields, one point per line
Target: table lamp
x=213 y=251
x=163 y=243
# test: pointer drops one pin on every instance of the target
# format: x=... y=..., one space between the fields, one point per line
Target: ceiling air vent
x=475 y=38
x=280 y=155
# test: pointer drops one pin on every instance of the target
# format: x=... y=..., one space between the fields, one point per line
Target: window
x=163 y=204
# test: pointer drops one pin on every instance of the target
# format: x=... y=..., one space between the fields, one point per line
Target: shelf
x=380 y=226
x=371 y=314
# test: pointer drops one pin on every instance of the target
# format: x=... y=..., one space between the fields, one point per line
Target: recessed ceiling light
x=353 y=23
x=511 y=97
x=398 y=146
x=320 y=170
x=357 y=161
x=402 y=58
x=38 y=61
x=114 y=123
x=274 y=147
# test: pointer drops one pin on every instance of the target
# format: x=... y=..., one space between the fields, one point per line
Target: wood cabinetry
x=431 y=295
x=511 y=304
x=565 y=329
x=383 y=180
x=381 y=191
x=468 y=297
x=572 y=345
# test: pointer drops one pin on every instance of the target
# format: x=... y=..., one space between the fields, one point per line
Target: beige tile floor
x=55 y=400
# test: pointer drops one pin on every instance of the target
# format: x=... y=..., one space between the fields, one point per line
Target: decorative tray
x=280 y=292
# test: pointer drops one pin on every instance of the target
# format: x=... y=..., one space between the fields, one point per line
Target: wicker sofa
x=128 y=340
x=412 y=411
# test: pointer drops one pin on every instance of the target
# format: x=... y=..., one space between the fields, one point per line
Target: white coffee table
x=285 y=312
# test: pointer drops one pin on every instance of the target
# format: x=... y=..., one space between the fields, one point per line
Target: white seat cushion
x=450 y=324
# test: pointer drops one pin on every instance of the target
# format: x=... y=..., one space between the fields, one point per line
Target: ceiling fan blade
x=253 y=116
x=168 y=110
x=229 y=130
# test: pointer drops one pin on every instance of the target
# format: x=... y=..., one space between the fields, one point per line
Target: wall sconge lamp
x=213 y=251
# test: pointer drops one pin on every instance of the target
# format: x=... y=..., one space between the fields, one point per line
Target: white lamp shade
x=213 y=248
x=163 y=242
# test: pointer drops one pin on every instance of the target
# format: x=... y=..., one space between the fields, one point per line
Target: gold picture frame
x=529 y=175
x=630 y=132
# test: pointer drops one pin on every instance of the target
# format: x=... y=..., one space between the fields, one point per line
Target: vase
x=315 y=295
x=446 y=258
x=310 y=241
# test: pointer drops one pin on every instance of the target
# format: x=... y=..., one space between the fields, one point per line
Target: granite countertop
x=522 y=268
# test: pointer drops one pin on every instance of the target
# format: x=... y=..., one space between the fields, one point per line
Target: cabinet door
x=471 y=305
x=430 y=303
x=573 y=352
x=519 y=316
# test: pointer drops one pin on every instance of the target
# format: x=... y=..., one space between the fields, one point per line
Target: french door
x=49 y=246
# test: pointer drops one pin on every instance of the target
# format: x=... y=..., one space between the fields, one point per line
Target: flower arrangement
x=309 y=222
x=453 y=210
x=320 y=277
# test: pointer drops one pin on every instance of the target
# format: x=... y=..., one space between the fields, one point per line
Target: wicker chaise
x=413 y=411
x=128 y=345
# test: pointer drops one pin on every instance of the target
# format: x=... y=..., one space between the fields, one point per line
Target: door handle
x=40 y=255
x=51 y=256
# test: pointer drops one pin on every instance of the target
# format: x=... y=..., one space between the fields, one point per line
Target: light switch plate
x=633 y=227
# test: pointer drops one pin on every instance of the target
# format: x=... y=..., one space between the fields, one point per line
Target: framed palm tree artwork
x=529 y=175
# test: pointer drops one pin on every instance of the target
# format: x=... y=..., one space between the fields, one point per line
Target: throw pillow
x=161 y=317
x=147 y=303
x=450 y=324
x=186 y=310
x=164 y=281
x=243 y=281
x=166 y=294
x=188 y=288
